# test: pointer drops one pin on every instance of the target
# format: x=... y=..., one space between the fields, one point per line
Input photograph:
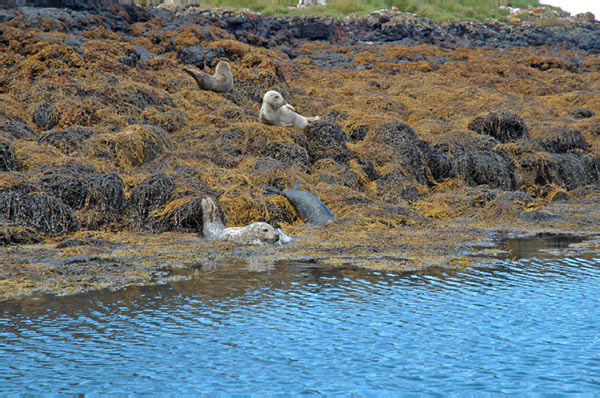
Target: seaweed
x=505 y=126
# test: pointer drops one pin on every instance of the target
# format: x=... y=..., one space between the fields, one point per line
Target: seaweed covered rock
x=581 y=113
x=568 y=170
x=46 y=116
x=153 y=193
x=397 y=143
x=396 y=187
x=25 y=206
x=562 y=139
x=8 y=161
x=105 y=201
x=290 y=155
x=326 y=140
x=67 y=140
x=183 y=215
x=199 y=56
x=69 y=182
x=17 y=234
x=492 y=168
x=505 y=126
x=439 y=164
x=131 y=147
x=16 y=130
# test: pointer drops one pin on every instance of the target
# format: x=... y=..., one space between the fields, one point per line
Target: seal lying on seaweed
x=220 y=82
x=276 y=111
x=310 y=209
x=256 y=233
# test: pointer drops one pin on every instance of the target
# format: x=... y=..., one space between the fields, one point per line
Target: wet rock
x=16 y=130
x=153 y=193
x=504 y=126
x=581 y=113
x=46 y=116
x=326 y=140
x=8 y=161
x=492 y=168
x=563 y=139
x=68 y=140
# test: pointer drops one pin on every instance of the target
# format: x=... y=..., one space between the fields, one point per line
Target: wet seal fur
x=256 y=233
x=276 y=111
x=310 y=209
x=220 y=82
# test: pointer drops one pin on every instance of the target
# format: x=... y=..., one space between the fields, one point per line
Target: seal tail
x=274 y=191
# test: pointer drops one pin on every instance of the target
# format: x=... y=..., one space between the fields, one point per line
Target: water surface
x=525 y=325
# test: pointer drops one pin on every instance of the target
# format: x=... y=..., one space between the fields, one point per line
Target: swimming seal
x=276 y=111
x=310 y=209
x=256 y=233
x=220 y=82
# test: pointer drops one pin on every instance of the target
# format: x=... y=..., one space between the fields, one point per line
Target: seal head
x=256 y=233
x=276 y=111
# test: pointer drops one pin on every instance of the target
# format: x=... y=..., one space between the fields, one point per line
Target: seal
x=310 y=209
x=256 y=233
x=276 y=111
x=220 y=82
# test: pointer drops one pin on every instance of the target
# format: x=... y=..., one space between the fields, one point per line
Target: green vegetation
x=438 y=10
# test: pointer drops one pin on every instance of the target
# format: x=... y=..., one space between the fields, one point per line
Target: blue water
x=524 y=326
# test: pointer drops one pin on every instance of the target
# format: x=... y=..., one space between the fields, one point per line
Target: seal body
x=253 y=234
x=310 y=209
x=276 y=111
x=220 y=82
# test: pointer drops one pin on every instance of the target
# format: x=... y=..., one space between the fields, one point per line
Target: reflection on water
x=520 y=326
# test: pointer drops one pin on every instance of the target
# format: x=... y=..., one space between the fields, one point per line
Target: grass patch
x=437 y=10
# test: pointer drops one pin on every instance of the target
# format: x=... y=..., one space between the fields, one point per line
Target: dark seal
x=310 y=209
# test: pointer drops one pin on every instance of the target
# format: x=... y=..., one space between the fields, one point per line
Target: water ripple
x=514 y=327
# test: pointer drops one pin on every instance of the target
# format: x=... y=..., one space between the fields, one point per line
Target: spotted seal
x=310 y=209
x=220 y=82
x=276 y=111
x=256 y=233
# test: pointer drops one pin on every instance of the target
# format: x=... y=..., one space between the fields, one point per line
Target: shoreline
x=435 y=138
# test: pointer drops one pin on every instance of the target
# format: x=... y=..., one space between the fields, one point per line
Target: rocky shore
x=436 y=140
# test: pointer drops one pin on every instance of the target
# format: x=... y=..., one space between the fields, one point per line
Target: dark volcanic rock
x=200 y=56
x=504 y=126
